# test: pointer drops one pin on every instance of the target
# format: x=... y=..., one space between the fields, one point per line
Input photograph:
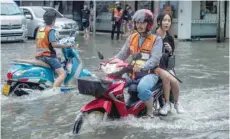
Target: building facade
x=191 y=19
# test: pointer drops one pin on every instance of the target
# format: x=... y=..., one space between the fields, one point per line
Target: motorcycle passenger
x=169 y=82
x=151 y=48
x=45 y=44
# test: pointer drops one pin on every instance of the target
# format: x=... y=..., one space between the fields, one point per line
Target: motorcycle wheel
x=87 y=120
x=17 y=89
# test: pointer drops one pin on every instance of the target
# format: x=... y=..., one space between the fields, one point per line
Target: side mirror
x=137 y=56
x=100 y=55
x=28 y=16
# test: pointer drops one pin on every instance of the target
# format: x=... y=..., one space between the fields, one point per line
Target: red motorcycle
x=109 y=99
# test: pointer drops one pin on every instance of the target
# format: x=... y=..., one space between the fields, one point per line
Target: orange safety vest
x=145 y=49
x=146 y=46
x=43 y=46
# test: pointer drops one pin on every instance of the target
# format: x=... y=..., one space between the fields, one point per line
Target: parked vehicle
x=34 y=16
x=13 y=22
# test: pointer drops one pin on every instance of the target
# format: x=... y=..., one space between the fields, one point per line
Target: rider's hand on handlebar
x=136 y=69
x=69 y=45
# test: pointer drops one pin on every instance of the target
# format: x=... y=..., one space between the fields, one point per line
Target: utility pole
x=94 y=17
x=220 y=21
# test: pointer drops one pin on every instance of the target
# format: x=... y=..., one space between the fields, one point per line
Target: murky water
x=202 y=66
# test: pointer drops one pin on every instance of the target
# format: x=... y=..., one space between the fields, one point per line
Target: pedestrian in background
x=91 y=18
x=125 y=19
x=116 y=19
x=85 y=20
x=130 y=24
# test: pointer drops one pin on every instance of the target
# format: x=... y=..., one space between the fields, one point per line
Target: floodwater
x=202 y=66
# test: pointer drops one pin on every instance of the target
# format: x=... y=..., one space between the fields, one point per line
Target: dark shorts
x=52 y=61
x=85 y=24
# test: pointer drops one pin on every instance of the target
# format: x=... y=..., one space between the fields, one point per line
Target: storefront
x=204 y=14
x=194 y=19
x=104 y=11
x=191 y=19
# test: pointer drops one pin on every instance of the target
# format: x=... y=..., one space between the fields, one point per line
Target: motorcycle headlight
x=110 y=68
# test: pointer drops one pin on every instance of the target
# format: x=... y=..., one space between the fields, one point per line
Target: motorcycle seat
x=33 y=62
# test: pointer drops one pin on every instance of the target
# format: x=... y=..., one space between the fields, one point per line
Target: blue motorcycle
x=36 y=74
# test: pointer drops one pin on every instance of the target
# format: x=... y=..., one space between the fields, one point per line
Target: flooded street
x=203 y=66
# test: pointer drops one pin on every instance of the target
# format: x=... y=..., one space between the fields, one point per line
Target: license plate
x=6 y=89
x=11 y=38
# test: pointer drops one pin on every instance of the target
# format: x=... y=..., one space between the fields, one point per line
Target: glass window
x=39 y=12
x=170 y=6
x=10 y=9
x=144 y=5
x=209 y=6
x=27 y=12
x=58 y=15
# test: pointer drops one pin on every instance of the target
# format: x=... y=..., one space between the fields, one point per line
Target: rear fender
x=19 y=66
x=98 y=104
x=31 y=72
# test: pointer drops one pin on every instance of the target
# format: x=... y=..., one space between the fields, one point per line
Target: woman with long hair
x=170 y=83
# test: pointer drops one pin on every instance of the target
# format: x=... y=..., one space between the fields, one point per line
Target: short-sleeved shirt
x=85 y=15
x=52 y=36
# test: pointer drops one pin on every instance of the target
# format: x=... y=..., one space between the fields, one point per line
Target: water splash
x=34 y=95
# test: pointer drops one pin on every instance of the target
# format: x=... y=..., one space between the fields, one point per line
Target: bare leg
x=124 y=26
x=60 y=78
x=166 y=83
x=175 y=88
x=164 y=75
x=84 y=32
x=87 y=32
x=149 y=105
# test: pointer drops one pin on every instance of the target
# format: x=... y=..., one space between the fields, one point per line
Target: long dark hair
x=160 y=18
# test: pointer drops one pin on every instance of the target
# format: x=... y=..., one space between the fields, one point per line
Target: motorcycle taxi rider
x=150 y=46
x=45 y=44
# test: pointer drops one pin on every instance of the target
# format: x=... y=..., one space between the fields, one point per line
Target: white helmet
x=117 y=3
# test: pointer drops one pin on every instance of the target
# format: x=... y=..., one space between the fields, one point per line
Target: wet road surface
x=202 y=66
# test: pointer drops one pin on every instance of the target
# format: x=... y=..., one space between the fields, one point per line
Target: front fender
x=85 y=72
x=77 y=71
x=98 y=104
x=75 y=66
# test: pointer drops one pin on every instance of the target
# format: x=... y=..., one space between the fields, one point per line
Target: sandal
x=148 y=116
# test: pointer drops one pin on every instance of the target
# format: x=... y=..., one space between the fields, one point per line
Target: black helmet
x=144 y=15
x=49 y=16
